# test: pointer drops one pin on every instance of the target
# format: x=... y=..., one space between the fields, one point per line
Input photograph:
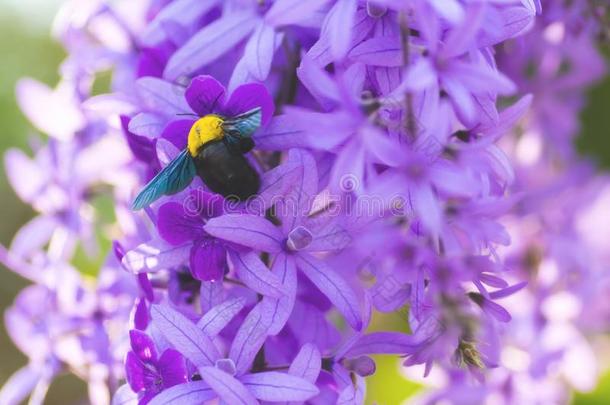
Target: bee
x=215 y=152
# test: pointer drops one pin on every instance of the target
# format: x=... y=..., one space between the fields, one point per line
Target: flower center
x=299 y=238
x=205 y=129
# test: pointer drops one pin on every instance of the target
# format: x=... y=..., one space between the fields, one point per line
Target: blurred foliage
x=388 y=386
x=600 y=396
x=26 y=54
x=31 y=53
x=595 y=137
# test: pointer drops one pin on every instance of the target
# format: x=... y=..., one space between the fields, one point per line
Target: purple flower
x=259 y=26
x=179 y=224
x=226 y=378
x=146 y=372
x=291 y=244
x=205 y=95
x=163 y=102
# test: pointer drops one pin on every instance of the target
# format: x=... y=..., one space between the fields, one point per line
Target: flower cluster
x=412 y=157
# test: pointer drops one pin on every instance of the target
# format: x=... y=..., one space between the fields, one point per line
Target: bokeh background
x=27 y=49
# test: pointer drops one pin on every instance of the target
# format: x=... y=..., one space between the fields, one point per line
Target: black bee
x=215 y=152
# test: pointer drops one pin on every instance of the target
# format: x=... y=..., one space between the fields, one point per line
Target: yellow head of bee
x=205 y=129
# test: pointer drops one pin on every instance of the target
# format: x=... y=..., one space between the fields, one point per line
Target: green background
x=28 y=51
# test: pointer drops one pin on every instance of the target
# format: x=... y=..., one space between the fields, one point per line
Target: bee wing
x=175 y=177
x=244 y=125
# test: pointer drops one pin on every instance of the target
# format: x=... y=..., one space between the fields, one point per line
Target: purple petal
x=152 y=60
x=353 y=79
x=143 y=346
x=509 y=117
x=353 y=393
x=154 y=256
x=461 y=38
x=146 y=286
x=505 y=292
x=42 y=106
x=290 y=12
x=461 y=100
x=481 y=78
x=321 y=332
x=253 y=272
x=486 y=108
x=210 y=294
x=214 y=320
x=280 y=309
x=33 y=236
x=228 y=388
x=147 y=125
x=141 y=147
x=177 y=132
x=367 y=310
x=382 y=343
x=185 y=336
x=319 y=83
x=187 y=12
x=17 y=388
x=295 y=206
x=364 y=366
x=331 y=237
x=205 y=204
x=320 y=52
x=249 y=339
x=249 y=96
x=26 y=177
x=161 y=96
x=419 y=76
x=490 y=307
x=190 y=393
x=339 y=25
x=276 y=386
x=330 y=131
x=247 y=230
x=493 y=281
x=450 y=9
x=210 y=43
x=172 y=368
x=348 y=171
x=282 y=133
x=426 y=207
x=205 y=95
x=139 y=377
x=122 y=396
x=141 y=317
x=333 y=286
x=177 y=225
x=307 y=363
x=450 y=179
x=275 y=183
x=378 y=51
x=515 y=21
x=259 y=51
x=208 y=260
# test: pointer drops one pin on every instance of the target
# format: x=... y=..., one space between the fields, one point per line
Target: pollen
x=205 y=129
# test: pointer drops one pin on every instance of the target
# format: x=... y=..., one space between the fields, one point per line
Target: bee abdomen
x=226 y=173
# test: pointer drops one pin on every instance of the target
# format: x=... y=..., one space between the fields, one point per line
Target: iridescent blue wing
x=242 y=126
x=174 y=177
